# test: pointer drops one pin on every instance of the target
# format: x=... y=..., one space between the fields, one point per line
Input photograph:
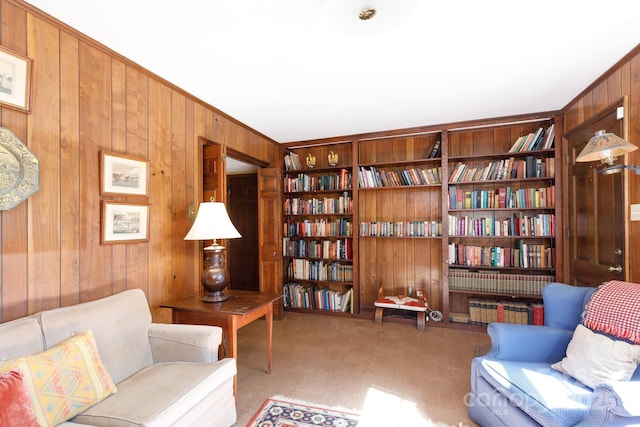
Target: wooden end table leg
x=422 y=315
x=269 y=324
x=378 y=316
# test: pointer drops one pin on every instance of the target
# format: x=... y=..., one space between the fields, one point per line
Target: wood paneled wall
x=87 y=98
x=621 y=80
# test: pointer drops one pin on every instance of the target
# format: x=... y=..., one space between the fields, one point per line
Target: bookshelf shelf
x=497 y=294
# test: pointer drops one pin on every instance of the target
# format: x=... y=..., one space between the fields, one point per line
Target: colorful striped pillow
x=64 y=380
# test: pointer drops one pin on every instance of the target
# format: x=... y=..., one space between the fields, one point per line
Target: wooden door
x=242 y=202
x=213 y=174
x=270 y=232
x=596 y=235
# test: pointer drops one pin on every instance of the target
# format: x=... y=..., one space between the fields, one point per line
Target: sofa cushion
x=594 y=358
x=15 y=404
x=20 y=337
x=548 y=396
x=120 y=325
x=64 y=380
x=159 y=394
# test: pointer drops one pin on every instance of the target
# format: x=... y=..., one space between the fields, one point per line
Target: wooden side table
x=242 y=308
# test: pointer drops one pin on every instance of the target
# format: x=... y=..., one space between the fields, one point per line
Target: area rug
x=280 y=411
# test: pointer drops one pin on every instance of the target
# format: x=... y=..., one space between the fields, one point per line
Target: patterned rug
x=279 y=411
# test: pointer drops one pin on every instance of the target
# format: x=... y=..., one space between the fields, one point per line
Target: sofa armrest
x=614 y=404
x=184 y=343
x=527 y=343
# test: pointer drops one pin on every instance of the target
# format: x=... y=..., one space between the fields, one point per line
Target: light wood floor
x=414 y=376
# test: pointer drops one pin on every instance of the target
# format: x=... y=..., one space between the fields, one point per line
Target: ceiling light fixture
x=606 y=147
x=368 y=17
x=367 y=13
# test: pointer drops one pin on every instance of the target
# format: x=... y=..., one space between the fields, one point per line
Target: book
x=434 y=151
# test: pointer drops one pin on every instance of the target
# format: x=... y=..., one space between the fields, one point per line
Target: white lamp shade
x=212 y=222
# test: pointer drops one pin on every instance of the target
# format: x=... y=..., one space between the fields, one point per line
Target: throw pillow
x=594 y=358
x=15 y=404
x=64 y=380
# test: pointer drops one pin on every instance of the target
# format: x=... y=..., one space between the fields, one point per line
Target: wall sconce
x=212 y=223
x=606 y=147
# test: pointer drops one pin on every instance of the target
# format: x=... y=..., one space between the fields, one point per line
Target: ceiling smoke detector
x=367 y=13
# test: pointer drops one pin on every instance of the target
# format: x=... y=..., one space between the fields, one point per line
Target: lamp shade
x=212 y=222
x=605 y=147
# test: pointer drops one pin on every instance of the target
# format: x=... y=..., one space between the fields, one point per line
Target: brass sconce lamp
x=606 y=147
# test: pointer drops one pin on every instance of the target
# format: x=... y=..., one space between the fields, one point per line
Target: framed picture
x=122 y=174
x=124 y=222
x=15 y=80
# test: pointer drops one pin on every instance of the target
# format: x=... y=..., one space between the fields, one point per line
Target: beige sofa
x=166 y=375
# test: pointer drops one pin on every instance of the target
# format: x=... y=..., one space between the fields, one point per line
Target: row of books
x=539 y=140
x=502 y=197
x=510 y=168
x=523 y=255
x=327 y=249
x=517 y=225
x=372 y=177
x=304 y=269
x=339 y=227
x=485 y=311
x=297 y=295
x=305 y=182
x=498 y=282
x=401 y=228
x=316 y=206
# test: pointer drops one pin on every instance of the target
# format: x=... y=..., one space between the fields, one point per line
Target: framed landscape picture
x=15 y=80
x=122 y=174
x=124 y=222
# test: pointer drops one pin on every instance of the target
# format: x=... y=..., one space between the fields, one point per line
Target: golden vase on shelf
x=311 y=161
x=332 y=158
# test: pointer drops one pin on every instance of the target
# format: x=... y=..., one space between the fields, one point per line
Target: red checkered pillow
x=614 y=309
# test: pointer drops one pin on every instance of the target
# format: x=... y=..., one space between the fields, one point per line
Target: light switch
x=635 y=212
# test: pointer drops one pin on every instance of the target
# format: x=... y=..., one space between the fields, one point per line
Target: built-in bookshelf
x=400 y=217
x=461 y=214
x=318 y=229
x=501 y=218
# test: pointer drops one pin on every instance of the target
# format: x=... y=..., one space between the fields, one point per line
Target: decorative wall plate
x=19 y=171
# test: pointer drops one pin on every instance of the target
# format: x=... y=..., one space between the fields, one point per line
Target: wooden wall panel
x=43 y=129
x=13 y=223
x=70 y=171
x=87 y=98
x=95 y=136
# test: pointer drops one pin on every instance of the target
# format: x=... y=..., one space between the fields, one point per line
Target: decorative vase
x=333 y=158
x=311 y=161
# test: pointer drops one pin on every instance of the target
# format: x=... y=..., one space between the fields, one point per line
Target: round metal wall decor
x=19 y=171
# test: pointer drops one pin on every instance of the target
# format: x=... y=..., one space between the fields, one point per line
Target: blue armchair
x=514 y=384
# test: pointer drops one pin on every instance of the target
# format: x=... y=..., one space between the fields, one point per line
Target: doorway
x=243 y=258
x=596 y=210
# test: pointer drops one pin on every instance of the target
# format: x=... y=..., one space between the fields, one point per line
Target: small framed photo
x=15 y=80
x=124 y=223
x=122 y=174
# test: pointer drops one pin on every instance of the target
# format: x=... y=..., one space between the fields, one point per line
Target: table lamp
x=212 y=223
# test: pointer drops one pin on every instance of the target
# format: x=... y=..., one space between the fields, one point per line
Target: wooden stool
x=402 y=303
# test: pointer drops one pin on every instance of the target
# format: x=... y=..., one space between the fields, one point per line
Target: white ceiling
x=306 y=69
